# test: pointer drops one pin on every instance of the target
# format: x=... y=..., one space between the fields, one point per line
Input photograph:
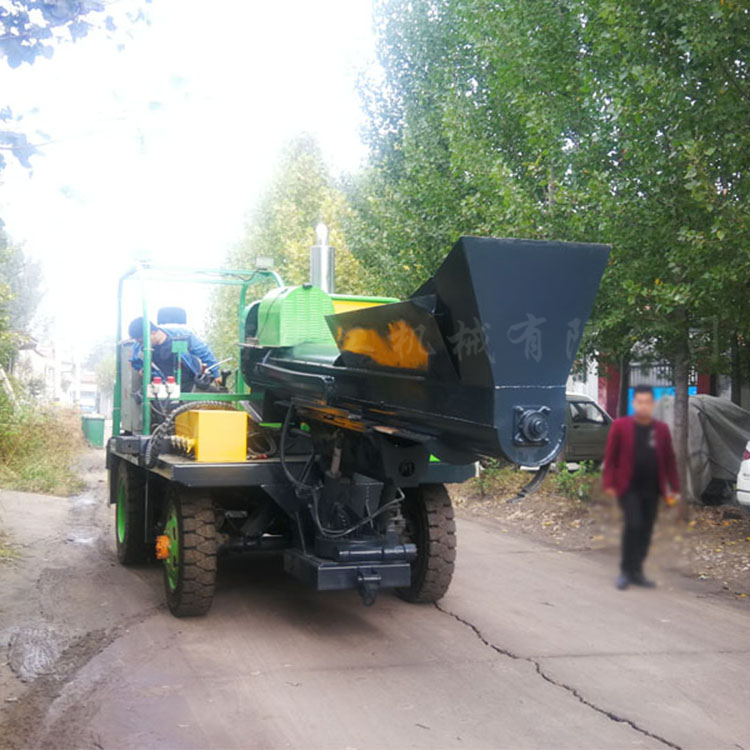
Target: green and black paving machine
x=349 y=416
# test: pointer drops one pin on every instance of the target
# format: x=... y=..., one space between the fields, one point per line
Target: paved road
x=532 y=648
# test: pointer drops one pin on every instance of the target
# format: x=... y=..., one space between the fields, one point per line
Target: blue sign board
x=660 y=391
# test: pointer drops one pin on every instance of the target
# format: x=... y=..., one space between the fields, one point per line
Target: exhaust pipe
x=322 y=261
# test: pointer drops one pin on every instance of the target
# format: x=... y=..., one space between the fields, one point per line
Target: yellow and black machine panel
x=213 y=436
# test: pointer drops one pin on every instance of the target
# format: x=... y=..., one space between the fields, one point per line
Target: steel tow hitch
x=368 y=583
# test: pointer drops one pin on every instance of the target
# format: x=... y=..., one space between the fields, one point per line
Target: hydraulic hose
x=156 y=443
x=338 y=533
x=299 y=485
x=302 y=488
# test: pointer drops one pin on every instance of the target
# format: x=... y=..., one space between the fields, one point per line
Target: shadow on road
x=257 y=582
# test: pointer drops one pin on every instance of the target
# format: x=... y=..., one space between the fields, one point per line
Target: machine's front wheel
x=429 y=523
x=130 y=514
x=190 y=563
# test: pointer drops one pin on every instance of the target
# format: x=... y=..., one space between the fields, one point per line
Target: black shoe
x=640 y=580
x=622 y=581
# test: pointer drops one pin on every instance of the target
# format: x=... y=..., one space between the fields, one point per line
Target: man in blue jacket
x=164 y=360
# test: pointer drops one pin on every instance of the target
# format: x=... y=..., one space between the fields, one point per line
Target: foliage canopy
x=300 y=194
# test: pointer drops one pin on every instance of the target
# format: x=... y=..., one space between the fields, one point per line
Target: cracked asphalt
x=531 y=648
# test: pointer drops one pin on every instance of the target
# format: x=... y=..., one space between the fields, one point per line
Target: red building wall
x=609 y=389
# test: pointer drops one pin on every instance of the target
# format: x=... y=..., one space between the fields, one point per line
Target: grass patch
x=38 y=446
x=499 y=478
x=579 y=484
x=6 y=551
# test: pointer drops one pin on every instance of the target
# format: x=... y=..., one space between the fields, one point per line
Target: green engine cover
x=293 y=315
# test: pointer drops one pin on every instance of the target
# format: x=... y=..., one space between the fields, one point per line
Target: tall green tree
x=679 y=194
x=300 y=194
x=20 y=294
x=468 y=131
x=571 y=119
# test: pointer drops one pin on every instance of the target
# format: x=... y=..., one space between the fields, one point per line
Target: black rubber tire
x=430 y=524
x=130 y=490
x=193 y=592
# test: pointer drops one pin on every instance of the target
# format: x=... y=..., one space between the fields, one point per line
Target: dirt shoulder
x=712 y=547
x=64 y=600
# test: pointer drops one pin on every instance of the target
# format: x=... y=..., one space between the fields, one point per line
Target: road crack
x=552 y=681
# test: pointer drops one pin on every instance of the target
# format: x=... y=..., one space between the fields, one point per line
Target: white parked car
x=743 y=479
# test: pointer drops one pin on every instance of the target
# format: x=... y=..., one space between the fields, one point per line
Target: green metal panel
x=147 y=350
x=365 y=298
x=293 y=315
x=211 y=396
x=257 y=277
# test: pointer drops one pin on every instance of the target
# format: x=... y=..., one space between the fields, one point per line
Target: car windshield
x=586 y=412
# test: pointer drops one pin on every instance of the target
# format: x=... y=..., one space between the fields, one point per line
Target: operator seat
x=175 y=316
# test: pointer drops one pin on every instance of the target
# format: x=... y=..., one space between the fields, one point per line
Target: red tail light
x=746 y=455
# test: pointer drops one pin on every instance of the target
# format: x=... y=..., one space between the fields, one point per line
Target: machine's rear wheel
x=130 y=514
x=190 y=565
x=429 y=523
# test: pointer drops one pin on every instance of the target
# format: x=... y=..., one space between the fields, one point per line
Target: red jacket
x=620 y=457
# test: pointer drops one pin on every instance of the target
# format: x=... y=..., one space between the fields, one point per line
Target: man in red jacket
x=639 y=467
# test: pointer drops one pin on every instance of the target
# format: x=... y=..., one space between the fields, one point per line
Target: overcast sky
x=160 y=148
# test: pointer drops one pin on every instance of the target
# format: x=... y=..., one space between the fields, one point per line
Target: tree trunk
x=680 y=437
x=736 y=373
x=624 y=390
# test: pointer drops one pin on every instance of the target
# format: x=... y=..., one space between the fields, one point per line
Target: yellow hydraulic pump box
x=215 y=436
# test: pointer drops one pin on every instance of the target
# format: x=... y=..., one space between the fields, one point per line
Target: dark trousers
x=639 y=513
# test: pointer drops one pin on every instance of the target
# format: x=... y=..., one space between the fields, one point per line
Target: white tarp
x=718 y=431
